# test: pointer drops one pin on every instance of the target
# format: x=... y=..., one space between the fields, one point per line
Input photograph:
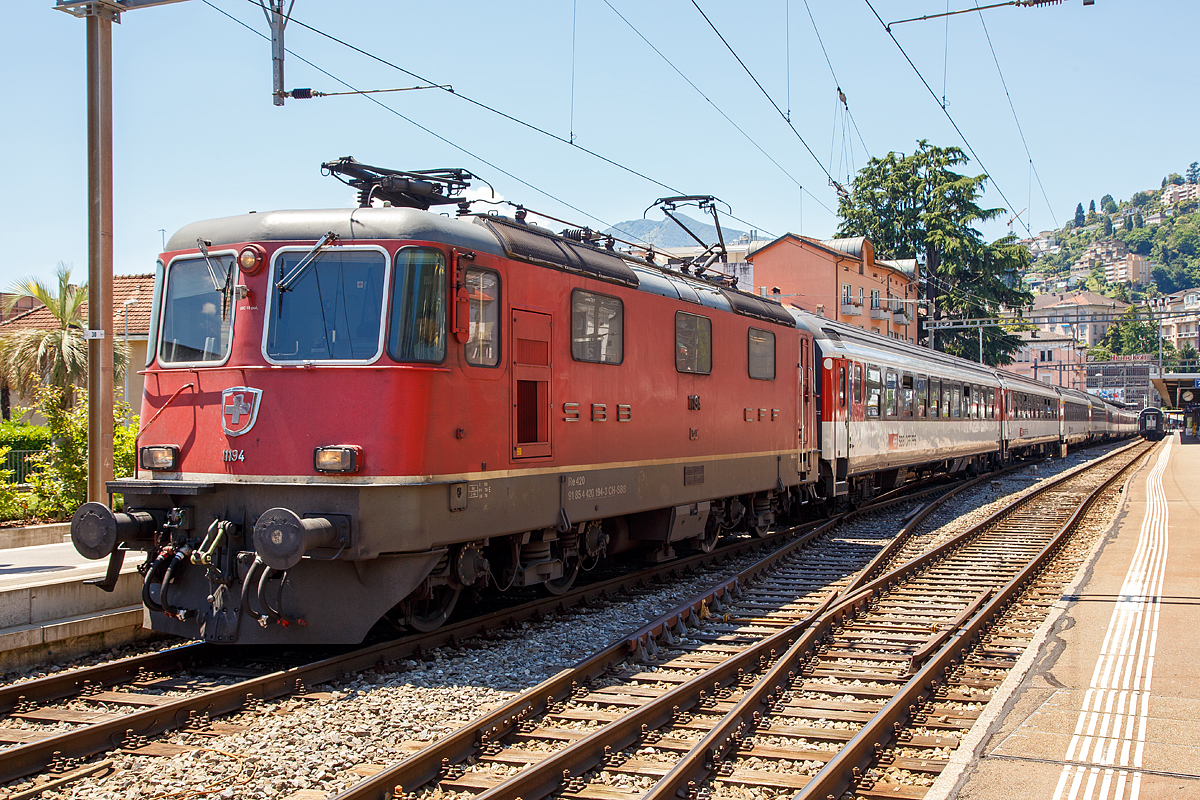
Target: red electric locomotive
x=359 y=413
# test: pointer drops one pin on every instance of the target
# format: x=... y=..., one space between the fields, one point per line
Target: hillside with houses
x=1132 y=250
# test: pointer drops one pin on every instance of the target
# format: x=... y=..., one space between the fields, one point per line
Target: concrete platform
x=47 y=613
x=1106 y=705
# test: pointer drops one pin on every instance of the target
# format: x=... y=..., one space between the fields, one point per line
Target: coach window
x=946 y=398
x=197 y=310
x=597 y=328
x=483 y=335
x=890 y=399
x=761 y=346
x=922 y=396
x=693 y=343
x=328 y=307
x=956 y=401
x=874 y=390
x=907 y=395
x=935 y=396
x=418 y=331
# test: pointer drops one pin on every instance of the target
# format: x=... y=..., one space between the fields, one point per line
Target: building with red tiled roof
x=133 y=295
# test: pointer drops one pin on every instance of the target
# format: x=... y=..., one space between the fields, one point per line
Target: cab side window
x=597 y=328
x=761 y=346
x=693 y=343
x=483 y=333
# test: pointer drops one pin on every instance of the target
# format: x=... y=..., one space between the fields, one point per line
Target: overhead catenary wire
x=1004 y=83
x=488 y=108
x=413 y=122
x=767 y=95
x=945 y=111
x=836 y=81
x=717 y=108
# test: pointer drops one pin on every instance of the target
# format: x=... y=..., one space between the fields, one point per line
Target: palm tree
x=58 y=356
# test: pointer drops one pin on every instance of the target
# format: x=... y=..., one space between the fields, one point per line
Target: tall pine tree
x=914 y=205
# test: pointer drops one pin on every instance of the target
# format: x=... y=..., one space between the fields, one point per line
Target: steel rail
x=699 y=763
x=431 y=762
x=25 y=758
x=838 y=774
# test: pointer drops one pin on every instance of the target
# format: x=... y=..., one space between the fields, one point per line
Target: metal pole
x=100 y=253
x=980 y=344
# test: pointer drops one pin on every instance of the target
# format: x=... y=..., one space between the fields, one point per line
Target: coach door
x=531 y=372
x=841 y=411
x=806 y=463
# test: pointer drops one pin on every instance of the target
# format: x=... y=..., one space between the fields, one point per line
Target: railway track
x=51 y=726
x=857 y=683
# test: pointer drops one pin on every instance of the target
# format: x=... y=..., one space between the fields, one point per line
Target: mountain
x=666 y=233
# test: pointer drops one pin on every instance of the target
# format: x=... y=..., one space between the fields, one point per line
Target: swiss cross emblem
x=239 y=409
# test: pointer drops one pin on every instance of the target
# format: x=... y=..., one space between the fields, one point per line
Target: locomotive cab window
x=693 y=343
x=483 y=333
x=874 y=391
x=761 y=346
x=858 y=384
x=418 y=329
x=197 y=311
x=597 y=328
x=327 y=307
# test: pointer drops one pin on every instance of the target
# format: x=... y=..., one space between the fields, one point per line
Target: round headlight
x=251 y=260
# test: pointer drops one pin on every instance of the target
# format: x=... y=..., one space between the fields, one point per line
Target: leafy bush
x=22 y=436
x=58 y=484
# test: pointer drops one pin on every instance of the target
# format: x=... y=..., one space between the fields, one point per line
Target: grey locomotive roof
x=347 y=223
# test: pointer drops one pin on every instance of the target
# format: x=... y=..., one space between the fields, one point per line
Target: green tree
x=1108 y=226
x=1140 y=199
x=912 y=205
x=1108 y=205
x=1129 y=222
x=1079 y=215
x=57 y=356
x=1187 y=355
x=1193 y=173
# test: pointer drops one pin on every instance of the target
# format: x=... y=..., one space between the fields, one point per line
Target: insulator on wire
x=301 y=94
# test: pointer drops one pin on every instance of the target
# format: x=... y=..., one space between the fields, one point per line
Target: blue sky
x=1105 y=94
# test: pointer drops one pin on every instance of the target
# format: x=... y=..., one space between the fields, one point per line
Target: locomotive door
x=531 y=370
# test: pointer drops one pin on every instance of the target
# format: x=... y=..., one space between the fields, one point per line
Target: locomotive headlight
x=159 y=457
x=251 y=260
x=337 y=458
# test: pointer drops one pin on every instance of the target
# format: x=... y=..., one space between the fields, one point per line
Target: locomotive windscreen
x=333 y=312
x=196 y=314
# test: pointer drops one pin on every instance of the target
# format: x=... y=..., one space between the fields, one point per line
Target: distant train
x=355 y=415
x=1152 y=424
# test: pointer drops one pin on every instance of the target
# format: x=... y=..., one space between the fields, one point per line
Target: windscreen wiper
x=288 y=282
x=226 y=289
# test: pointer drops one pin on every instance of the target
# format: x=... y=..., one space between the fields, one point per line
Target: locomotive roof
x=492 y=234
x=348 y=223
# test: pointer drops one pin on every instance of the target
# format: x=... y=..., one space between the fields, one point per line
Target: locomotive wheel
x=563 y=585
x=429 y=614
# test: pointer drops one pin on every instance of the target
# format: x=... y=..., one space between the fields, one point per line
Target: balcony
x=880 y=313
x=900 y=318
x=851 y=310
